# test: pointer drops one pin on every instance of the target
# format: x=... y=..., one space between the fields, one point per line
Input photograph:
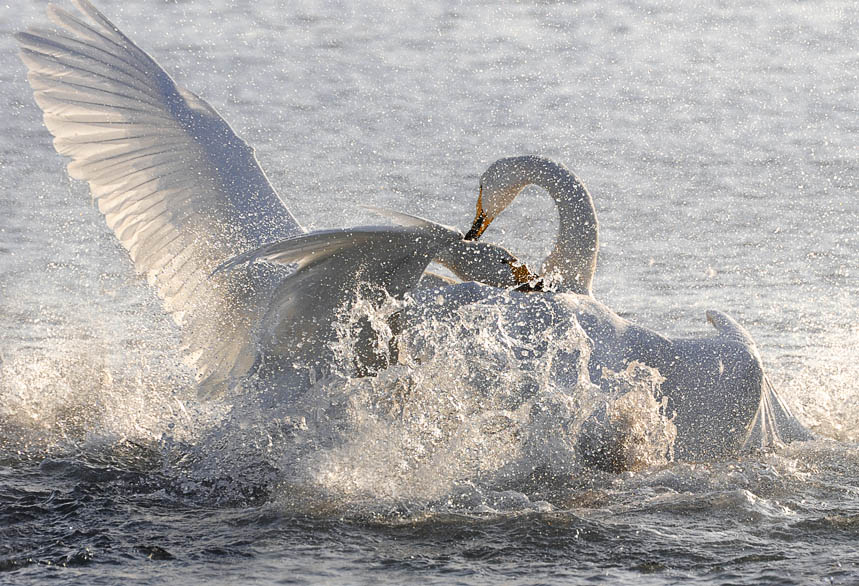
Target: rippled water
x=720 y=144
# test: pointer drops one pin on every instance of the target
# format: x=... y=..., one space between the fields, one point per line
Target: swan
x=572 y=262
x=716 y=386
x=182 y=192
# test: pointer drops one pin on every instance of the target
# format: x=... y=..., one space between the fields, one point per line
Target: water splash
x=484 y=391
x=483 y=394
x=632 y=431
x=67 y=397
x=824 y=389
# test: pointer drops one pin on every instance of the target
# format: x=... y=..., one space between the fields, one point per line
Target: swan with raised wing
x=716 y=385
x=182 y=192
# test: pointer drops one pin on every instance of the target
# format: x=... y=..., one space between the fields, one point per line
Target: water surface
x=720 y=145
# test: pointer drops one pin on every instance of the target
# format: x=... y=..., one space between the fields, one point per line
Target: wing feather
x=73 y=52
x=330 y=266
x=179 y=189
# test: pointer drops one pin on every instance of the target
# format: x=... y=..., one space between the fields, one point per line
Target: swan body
x=717 y=389
x=182 y=192
x=716 y=386
x=333 y=269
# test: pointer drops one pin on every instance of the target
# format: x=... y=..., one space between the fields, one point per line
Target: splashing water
x=487 y=389
x=632 y=432
x=70 y=398
x=825 y=385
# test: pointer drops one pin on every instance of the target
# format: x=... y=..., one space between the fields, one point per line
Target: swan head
x=485 y=262
x=499 y=186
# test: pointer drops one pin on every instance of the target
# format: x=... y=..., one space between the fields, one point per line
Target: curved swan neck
x=574 y=256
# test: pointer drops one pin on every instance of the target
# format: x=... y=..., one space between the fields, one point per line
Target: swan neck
x=574 y=256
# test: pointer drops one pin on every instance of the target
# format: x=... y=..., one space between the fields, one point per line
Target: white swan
x=572 y=261
x=182 y=192
x=723 y=401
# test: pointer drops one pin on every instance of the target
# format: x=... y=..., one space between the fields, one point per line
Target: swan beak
x=525 y=279
x=521 y=274
x=481 y=223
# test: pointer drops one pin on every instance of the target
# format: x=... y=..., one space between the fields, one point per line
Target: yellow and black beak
x=521 y=274
x=525 y=279
x=481 y=222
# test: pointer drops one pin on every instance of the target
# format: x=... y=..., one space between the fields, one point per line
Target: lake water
x=720 y=142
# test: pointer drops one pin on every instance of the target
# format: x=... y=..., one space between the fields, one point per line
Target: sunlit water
x=721 y=145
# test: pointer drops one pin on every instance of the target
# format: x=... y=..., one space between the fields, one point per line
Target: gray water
x=720 y=142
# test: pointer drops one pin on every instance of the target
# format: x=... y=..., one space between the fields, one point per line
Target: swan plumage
x=716 y=385
x=180 y=190
x=182 y=193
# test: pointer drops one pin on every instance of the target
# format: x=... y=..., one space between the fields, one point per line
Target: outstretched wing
x=176 y=185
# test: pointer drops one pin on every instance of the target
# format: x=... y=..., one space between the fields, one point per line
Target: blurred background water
x=720 y=142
